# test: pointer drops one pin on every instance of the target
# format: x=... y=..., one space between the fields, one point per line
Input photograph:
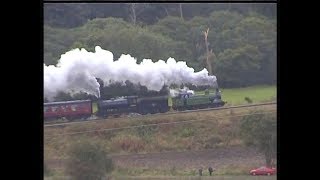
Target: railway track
x=161 y=114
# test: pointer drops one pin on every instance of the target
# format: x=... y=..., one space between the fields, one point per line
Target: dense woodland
x=241 y=38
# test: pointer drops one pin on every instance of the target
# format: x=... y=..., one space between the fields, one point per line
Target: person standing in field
x=210 y=170
x=200 y=172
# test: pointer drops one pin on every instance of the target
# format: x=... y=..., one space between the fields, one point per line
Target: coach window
x=54 y=108
x=73 y=107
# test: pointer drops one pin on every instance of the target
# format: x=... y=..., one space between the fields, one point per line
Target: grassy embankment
x=212 y=130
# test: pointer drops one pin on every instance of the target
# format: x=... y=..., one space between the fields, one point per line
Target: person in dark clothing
x=210 y=170
x=200 y=172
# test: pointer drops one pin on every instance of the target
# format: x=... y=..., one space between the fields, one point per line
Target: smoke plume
x=77 y=70
x=184 y=90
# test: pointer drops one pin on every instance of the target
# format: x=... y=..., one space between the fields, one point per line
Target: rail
x=161 y=114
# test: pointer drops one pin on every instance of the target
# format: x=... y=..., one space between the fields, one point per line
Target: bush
x=88 y=161
x=187 y=132
x=146 y=131
x=128 y=143
x=248 y=100
x=260 y=130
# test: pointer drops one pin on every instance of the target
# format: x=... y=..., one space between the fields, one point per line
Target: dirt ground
x=217 y=158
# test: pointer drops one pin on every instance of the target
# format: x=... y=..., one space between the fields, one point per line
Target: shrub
x=187 y=132
x=260 y=130
x=248 y=99
x=88 y=161
x=128 y=143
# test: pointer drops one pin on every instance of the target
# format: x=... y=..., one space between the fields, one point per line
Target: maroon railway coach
x=68 y=109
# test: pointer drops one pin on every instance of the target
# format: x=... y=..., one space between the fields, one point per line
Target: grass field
x=255 y=93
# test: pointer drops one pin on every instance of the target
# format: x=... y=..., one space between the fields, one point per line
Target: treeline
x=243 y=44
x=69 y=15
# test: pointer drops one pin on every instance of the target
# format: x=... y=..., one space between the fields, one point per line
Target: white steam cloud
x=77 y=70
x=176 y=92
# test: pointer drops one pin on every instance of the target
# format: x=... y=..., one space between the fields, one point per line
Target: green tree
x=260 y=31
x=244 y=44
x=63 y=96
x=49 y=59
x=174 y=27
x=67 y=15
x=57 y=42
x=121 y=37
x=238 y=67
x=69 y=96
x=88 y=161
x=260 y=130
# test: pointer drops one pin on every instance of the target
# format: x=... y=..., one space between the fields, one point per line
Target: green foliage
x=57 y=42
x=146 y=131
x=260 y=130
x=88 y=161
x=242 y=38
x=120 y=37
x=63 y=96
x=173 y=27
x=224 y=20
x=236 y=66
x=73 y=15
x=249 y=100
x=184 y=132
x=187 y=132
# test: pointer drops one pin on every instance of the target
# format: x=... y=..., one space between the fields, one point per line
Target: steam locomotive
x=131 y=104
